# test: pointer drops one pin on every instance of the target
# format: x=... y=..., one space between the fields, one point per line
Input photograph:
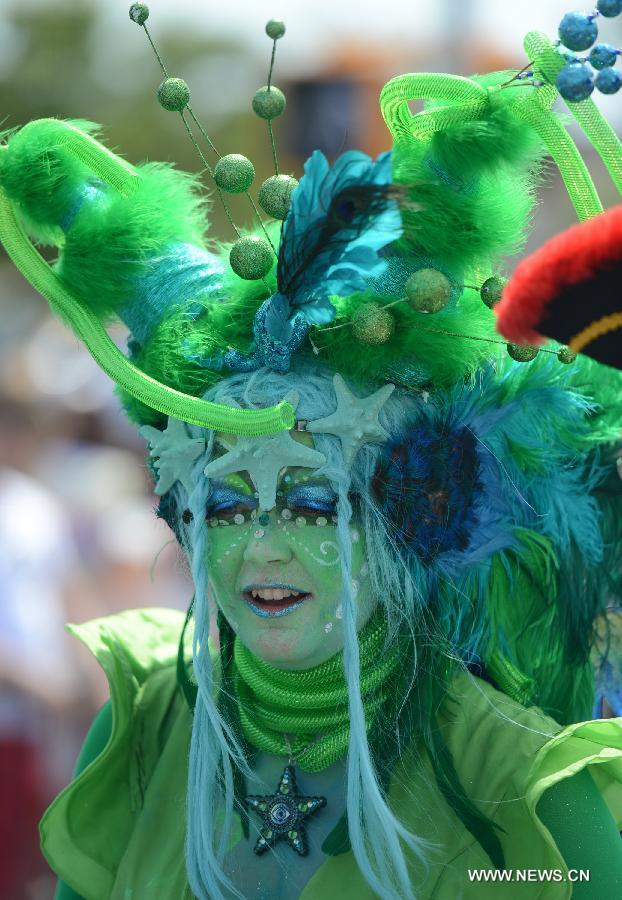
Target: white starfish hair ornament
x=355 y=421
x=264 y=458
x=174 y=453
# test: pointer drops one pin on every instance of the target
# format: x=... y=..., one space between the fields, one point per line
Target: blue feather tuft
x=339 y=220
x=425 y=484
x=482 y=463
x=184 y=274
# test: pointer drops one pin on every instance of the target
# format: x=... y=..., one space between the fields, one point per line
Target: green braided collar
x=310 y=708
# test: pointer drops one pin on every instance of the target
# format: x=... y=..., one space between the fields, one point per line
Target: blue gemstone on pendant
x=603 y=55
x=577 y=31
x=609 y=81
x=264 y=519
x=575 y=82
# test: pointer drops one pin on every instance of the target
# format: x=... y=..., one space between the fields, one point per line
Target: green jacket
x=117 y=831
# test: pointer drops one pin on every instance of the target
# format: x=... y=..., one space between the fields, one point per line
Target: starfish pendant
x=283 y=814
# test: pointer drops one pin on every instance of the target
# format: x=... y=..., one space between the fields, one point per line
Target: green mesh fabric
x=548 y=64
x=282 y=709
x=468 y=100
x=568 y=160
x=468 y=163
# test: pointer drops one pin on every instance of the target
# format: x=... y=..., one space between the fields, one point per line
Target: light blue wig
x=376 y=836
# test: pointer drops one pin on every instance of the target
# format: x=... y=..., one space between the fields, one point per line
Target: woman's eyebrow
x=235 y=481
x=309 y=481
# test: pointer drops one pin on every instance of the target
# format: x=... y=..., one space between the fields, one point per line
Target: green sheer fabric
x=460 y=100
x=94 y=744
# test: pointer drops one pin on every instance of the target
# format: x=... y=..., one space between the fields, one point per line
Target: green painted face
x=277 y=576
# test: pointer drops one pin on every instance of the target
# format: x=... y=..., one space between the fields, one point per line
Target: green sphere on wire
x=372 y=324
x=174 y=94
x=522 y=352
x=428 y=290
x=269 y=102
x=275 y=195
x=491 y=290
x=275 y=29
x=234 y=173
x=139 y=13
x=566 y=355
x=251 y=257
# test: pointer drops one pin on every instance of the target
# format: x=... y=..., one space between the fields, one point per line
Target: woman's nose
x=266 y=544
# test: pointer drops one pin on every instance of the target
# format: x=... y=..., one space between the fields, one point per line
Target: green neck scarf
x=307 y=712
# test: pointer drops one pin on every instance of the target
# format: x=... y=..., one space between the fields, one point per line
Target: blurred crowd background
x=78 y=535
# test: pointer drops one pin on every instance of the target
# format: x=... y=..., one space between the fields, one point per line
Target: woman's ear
x=169 y=510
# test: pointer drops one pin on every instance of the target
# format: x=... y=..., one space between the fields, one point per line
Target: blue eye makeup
x=226 y=501
x=311 y=498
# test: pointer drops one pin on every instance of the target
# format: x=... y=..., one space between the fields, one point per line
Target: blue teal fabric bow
x=339 y=220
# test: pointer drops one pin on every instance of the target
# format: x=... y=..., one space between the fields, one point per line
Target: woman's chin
x=289 y=646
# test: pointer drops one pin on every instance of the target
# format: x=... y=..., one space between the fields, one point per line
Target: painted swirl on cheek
x=325 y=548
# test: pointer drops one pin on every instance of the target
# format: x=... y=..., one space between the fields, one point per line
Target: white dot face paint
x=236 y=539
x=281 y=583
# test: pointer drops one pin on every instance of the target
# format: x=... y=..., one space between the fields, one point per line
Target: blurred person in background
x=78 y=539
x=40 y=687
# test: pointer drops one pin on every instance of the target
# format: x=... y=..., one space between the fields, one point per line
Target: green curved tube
x=599 y=132
x=468 y=97
x=92 y=333
x=112 y=169
x=579 y=184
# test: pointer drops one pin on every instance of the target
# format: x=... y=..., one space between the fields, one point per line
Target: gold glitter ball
x=428 y=290
x=522 y=352
x=372 y=324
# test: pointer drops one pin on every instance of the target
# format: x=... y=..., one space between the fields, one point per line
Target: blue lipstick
x=273 y=608
x=266 y=613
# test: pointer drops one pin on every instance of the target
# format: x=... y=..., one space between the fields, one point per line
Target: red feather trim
x=572 y=257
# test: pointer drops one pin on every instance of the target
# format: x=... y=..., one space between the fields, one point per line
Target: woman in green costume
x=401 y=532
